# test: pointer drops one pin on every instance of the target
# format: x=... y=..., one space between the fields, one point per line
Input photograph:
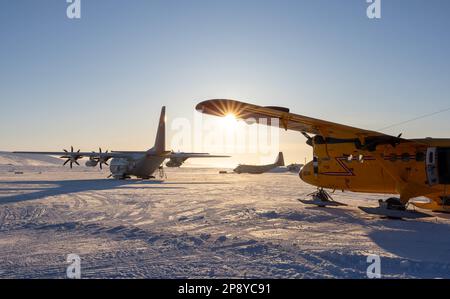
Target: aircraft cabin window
x=420 y=157
x=316 y=165
x=445 y=200
x=405 y=157
x=443 y=162
x=431 y=158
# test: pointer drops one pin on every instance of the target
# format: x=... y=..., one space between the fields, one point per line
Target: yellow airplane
x=358 y=160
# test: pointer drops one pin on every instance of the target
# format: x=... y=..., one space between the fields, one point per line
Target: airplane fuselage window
x=443 y=161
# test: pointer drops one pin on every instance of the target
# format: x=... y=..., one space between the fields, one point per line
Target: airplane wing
x=96 y=158
x=290 y=121
x=176 y=159
x=78 y=154
x=287 y=120
x=194 y=155
x=146 y=153
x=170 y=154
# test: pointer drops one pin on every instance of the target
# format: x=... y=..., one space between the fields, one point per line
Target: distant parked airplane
x=293 y=168
x=124 y=164
x=258 y=169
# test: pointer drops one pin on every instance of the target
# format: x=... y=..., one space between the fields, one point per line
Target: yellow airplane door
x=432 y=169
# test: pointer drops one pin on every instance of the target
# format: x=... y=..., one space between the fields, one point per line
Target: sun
x=229 y=121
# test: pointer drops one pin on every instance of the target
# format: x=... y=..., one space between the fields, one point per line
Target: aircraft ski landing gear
x=393 y=208
x=392 y=203
x=321 y=198
x=321 y=194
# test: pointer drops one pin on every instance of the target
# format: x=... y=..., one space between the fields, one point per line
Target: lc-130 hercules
x=124 y=164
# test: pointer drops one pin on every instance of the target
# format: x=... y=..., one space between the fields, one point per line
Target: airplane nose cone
x=300 y=174
x=307 y=175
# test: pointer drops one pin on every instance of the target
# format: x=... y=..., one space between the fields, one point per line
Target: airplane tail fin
x=280 y=159
x=160 y=141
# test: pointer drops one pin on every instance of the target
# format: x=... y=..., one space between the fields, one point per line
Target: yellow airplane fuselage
x=390 y=169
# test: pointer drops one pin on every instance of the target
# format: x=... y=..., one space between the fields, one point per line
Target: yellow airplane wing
x=286 y=120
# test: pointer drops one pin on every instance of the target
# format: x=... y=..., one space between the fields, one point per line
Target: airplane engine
x=91 y=163
x=175 y=162
x=171 y=163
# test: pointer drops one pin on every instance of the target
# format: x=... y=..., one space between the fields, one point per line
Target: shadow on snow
x=65 y=187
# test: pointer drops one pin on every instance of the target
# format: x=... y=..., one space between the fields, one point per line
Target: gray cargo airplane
x=124 y=164
x=258 y=169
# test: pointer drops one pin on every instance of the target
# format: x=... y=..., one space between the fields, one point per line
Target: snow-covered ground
x=10 y=159
x=202 y=224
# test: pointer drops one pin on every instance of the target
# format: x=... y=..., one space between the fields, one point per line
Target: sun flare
x=229 y=121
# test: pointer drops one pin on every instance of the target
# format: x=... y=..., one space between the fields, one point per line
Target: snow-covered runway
x=201 y=224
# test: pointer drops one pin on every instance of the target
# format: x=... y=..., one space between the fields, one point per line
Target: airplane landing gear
x=321 y=194
x=393 y=208
x=321 y=198
x=162 y=173
x=392 y=203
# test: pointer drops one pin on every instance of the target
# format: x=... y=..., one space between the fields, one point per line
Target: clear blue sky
x=101 y=80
